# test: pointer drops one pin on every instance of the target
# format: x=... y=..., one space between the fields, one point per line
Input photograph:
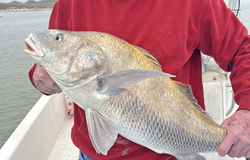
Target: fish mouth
x=32 y=49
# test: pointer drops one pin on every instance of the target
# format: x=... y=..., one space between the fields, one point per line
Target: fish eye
x=59 y=37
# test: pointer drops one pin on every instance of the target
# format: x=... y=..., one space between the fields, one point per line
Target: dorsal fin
x=147 y=54
x=188 y=91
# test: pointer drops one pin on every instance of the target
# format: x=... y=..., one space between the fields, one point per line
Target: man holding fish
x=173 y=32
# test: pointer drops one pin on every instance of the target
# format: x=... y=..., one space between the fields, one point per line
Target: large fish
x=122 y=89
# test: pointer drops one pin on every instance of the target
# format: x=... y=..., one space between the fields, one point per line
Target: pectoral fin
x=114 y=83
x=102 y=132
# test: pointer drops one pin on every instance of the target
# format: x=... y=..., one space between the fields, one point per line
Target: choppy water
x=17 y=95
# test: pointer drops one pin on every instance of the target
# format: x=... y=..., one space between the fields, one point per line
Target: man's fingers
x=236 y=150
x=237 y=141
x=230 y=145
x=242 y=153
x=247 y=154
x=225 y=146
x=244 y=143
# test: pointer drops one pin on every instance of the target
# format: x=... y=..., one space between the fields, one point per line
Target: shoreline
x=26 y=10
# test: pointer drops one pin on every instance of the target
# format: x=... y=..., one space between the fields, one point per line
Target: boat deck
x=64 y=149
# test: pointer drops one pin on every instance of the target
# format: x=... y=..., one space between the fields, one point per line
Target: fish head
x=70 y=59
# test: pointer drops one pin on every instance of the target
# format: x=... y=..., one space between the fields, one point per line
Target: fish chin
x=32 y=49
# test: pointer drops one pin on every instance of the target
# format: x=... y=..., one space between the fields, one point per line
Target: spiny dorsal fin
x=147 y=54
x=188 y=91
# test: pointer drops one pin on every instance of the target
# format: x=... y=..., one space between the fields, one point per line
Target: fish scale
x=123 y=91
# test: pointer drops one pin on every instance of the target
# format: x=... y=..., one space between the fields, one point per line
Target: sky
x=7 y=1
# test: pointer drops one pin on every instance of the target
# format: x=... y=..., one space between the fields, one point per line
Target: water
x=16 y=92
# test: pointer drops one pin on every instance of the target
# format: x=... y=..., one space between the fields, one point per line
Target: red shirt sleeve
x=225 y=38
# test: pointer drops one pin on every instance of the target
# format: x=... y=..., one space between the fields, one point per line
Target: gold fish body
x=123 y=91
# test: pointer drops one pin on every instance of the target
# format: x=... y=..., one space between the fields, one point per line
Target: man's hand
x=44 y=82
x=237 y=141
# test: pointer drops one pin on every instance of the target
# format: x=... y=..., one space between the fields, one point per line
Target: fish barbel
x=123 y=91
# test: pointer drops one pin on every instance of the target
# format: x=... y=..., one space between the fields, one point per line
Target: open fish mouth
x=32 y=49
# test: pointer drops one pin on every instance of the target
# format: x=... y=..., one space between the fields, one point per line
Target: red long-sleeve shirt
x=172 y=31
